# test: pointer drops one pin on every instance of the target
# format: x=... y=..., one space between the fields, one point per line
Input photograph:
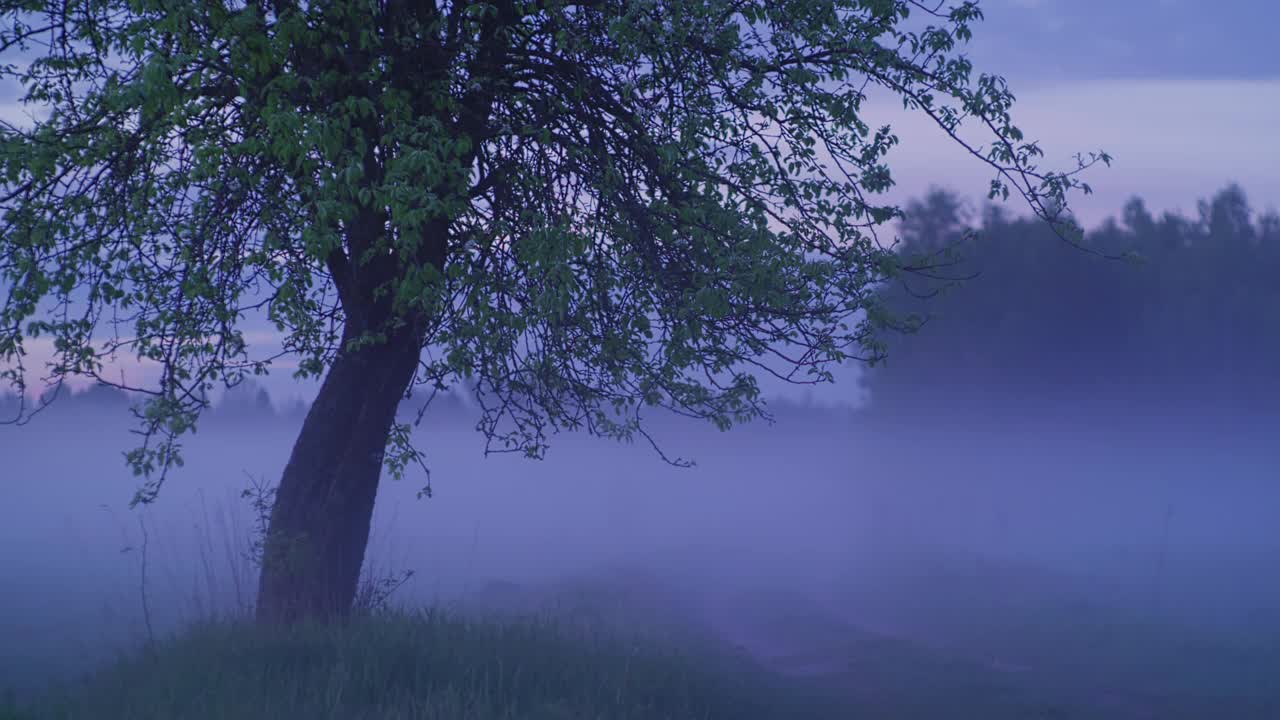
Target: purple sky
x=1184 y=94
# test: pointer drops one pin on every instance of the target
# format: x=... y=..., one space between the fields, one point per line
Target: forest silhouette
x=1013 y=315
x=1033 y=319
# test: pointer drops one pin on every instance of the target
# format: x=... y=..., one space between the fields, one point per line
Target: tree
x=583 y=208
x=936 y=221
x=246 y=401
x=1190 y=326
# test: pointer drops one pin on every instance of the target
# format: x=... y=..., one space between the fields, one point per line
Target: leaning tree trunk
x=319 y=526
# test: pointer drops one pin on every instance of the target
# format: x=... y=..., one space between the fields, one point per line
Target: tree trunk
x=319 y=525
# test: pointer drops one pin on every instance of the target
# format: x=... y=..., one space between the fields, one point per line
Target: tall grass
x=196 y=654
x=424 y=665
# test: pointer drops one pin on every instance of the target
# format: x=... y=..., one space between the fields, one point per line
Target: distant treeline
x=244 y=401
x=1196 y=320
x=247 y=401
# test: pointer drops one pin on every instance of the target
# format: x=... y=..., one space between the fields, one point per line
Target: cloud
x=19 y=115
x=13 y=111
x=1174 y=141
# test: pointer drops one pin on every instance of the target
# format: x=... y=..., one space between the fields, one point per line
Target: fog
x=997 y=538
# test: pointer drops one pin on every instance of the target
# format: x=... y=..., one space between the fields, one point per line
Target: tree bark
x=319 y=525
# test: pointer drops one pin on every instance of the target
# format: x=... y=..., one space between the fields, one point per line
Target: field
x=870 y=585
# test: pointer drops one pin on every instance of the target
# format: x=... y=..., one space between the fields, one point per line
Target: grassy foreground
x=422 y=666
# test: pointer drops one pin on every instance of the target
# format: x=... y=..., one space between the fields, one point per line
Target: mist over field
x=987 y=524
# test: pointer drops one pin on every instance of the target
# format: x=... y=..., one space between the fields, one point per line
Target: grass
x=581 y=662
x=426 y=665
x=517 y=658
x=522 y=661
x=433 y=664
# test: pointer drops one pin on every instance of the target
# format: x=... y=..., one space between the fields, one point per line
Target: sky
x=1184 y=94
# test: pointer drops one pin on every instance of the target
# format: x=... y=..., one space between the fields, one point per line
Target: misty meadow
x=1071 y=539
x=578 y=360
